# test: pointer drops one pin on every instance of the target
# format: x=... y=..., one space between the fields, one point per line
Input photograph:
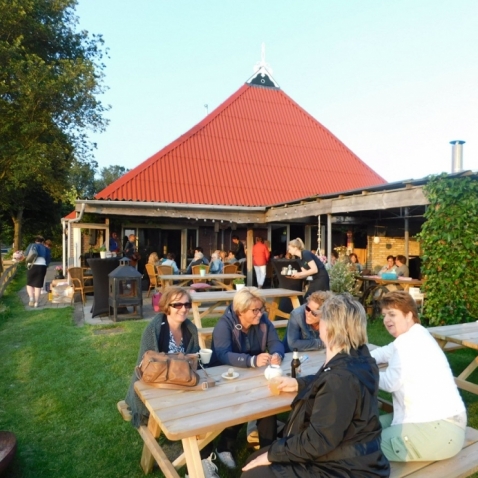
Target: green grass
x=60 y=384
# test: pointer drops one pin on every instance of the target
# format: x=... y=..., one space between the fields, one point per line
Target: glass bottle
x=295 y=364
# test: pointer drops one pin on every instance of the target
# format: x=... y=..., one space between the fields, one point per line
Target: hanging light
x=376 y=238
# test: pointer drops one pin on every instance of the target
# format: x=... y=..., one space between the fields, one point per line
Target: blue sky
x=394 y=81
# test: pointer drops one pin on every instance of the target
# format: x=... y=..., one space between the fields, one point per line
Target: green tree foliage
x=109 y=175
x=49 y=77
x=449 y=241
x=342 y=278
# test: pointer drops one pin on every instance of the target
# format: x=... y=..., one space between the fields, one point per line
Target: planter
x=202 y=272
x=103 y=254
x=239 y=286
x=59 y=275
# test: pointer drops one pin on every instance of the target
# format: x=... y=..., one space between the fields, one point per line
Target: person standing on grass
x=37 y=271
x=260 y=258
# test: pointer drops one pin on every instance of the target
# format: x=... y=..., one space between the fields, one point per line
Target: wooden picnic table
x=183 y=279
x=404 y=282
x=220 y=298
x=462 y=335
x=197 y=417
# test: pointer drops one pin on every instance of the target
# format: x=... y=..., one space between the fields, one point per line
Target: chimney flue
x=457 y=155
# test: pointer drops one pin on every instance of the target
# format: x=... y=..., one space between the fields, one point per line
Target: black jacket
x=333 y=429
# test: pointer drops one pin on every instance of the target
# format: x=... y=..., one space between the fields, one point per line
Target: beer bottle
x=295 y=364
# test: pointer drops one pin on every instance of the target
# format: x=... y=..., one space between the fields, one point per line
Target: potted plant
x=239 y=283
x=103 y=252
x=202 y=270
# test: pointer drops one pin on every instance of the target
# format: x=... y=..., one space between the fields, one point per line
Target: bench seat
x=460 y=466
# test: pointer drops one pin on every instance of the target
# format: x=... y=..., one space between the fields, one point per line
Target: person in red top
x=260 y=258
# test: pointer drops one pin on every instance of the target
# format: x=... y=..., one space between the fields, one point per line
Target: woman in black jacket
x=333 y=429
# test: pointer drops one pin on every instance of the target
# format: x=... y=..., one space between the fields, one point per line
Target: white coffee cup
x=205 y=355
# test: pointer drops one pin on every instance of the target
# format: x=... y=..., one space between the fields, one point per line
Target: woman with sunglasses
x=244 y=337
x=169 y=332
x=303 y=327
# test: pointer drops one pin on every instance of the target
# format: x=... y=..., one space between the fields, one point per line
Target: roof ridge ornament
x=262 y=72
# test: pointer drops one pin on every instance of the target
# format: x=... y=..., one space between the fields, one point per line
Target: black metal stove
x=125 y=289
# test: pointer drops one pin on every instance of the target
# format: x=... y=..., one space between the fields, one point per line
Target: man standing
x=260 y=258
x=240 y=253
x=114 y=244
x=130 y=250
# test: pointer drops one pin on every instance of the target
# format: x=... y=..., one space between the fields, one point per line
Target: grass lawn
x=60 y=385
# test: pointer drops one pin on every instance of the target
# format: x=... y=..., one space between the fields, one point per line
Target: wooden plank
x=157 y=453
x=416 y=469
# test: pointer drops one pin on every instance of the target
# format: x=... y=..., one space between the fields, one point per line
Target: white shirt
x=419 y=378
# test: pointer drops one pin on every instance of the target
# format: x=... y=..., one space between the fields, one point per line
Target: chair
x=229 y=269
x=196 y=269
x=153 y=278
x=164 y=270
x=78 y=281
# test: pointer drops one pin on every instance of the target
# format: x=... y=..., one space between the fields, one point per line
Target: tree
x=109 y=175
x=49 y=80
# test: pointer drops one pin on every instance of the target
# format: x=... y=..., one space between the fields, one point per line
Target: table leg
x=153 y=452
x=295 y=301
x=193 y=458
x=180 y=461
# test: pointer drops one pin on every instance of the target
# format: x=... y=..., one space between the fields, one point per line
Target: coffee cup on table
x=205 y=355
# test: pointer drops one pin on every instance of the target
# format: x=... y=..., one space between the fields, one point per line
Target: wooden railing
x=7 y=276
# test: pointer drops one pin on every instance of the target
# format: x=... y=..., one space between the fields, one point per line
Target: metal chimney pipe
x=457 y=155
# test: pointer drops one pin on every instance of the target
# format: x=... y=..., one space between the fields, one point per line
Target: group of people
x=334 y=428
x=397 y=265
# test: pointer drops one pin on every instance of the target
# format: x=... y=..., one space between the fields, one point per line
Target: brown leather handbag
x=158 y=369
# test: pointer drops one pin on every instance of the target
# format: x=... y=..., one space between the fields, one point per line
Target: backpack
x=32 y=255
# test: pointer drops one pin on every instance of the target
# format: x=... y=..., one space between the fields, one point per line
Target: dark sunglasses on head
x=179 y=305
x=315 y=313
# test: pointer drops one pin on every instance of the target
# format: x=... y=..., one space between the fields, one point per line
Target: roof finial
x=262 y=72
x=262 y=66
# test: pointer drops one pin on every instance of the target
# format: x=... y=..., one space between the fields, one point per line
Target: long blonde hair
x=153 y=258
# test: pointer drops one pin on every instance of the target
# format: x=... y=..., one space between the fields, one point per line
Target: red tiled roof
x=256 y=149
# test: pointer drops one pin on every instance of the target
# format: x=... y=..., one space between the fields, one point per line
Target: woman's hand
x=263 y=359
x=287 y=384
x=261 y=460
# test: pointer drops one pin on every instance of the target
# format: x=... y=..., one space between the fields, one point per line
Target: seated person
x=303 y=326
x=197 y=261
x=169 y=332
x=402 y=268
x=231 y=258
x=169 y=261
x=429 y=417
x=244 y=337
x=334 y=428
x=216 y=263
x=354 y=263
x=389 y=266
x=153 y=259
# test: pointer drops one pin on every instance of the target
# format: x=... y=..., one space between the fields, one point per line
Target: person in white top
x=429 y=416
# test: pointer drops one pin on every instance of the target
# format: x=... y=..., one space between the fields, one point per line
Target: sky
x=395 y=81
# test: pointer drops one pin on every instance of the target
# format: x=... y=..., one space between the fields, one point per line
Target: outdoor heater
x=125 y=289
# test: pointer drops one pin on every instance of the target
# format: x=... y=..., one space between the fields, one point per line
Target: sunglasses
x=180 y=305
x=315 y=313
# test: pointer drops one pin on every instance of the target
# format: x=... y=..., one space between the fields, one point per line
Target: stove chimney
x=457 y=155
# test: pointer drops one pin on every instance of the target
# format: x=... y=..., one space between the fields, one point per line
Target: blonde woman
x=244 y=337
x=153 y=259
x=311 y=266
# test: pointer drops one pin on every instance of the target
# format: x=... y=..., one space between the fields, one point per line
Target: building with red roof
x=257 y=150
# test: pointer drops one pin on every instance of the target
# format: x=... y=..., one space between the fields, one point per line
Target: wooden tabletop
x=188 y=277
x=462 y=334
x=182 y=414
x=229 y=294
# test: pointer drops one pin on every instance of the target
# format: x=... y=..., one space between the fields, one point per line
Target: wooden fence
x=7 y=276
